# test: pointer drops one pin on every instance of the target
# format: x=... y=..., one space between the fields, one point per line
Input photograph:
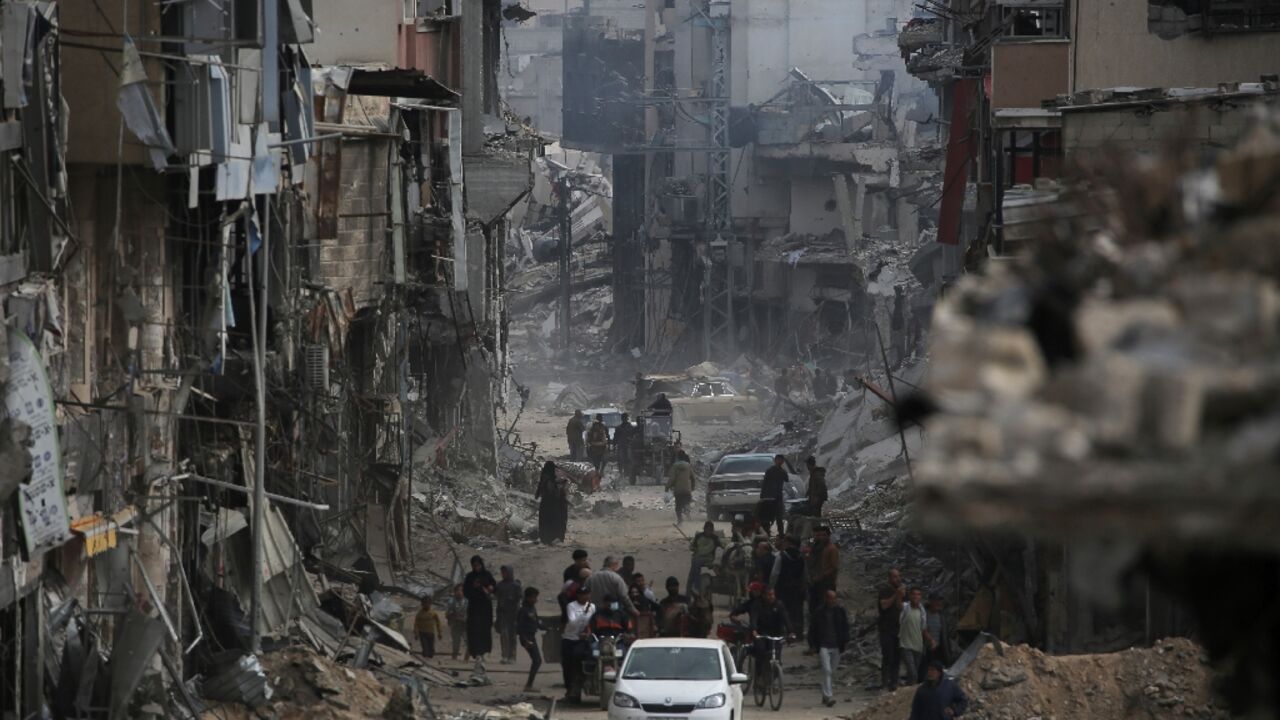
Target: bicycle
x=769 y=685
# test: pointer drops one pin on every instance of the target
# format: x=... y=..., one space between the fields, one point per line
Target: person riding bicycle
x=770 y=619
x=748 y=606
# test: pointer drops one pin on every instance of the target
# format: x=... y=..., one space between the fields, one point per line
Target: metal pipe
x=270 y=496
x=258 y=331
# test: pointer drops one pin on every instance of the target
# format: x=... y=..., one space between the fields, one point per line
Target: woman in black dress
x=553 y=510
x=478 y=587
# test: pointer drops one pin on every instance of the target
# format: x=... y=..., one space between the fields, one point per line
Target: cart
x=653 y=449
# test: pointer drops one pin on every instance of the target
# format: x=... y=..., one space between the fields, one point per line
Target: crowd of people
x=791 y=592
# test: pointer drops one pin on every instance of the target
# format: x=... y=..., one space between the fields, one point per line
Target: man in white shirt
x=573 y=645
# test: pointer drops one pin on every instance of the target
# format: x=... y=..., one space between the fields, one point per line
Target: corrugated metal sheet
x=493 y=183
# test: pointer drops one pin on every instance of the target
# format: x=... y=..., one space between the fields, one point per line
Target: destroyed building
x=764 y=184
x=249 y=250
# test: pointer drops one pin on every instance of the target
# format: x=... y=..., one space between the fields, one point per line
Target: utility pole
x=566 y=267
x=270 y=106
x=719 y=331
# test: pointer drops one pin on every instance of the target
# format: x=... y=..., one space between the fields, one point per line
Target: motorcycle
x=606 y=656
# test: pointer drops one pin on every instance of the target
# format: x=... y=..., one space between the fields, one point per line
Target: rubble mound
x=1170 y=680
x=309 y=686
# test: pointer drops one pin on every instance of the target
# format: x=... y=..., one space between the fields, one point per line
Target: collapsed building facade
x=763 y=186
x=236 y=258
x=1068 y=125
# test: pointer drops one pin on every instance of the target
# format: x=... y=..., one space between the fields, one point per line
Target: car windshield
x=744 y=464
x=672 y=663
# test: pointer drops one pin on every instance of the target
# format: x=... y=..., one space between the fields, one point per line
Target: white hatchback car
x=677 y=679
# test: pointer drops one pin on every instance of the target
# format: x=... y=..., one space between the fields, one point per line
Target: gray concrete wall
x=359 y=256
x=1129 y=129
x=355 y=32
x=1113 y=47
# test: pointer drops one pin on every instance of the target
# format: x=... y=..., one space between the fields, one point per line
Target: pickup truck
x=734 y=485
x=714 y=399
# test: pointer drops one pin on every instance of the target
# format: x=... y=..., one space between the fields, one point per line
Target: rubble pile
x=1170 y=680
x=1128 y=361
x=307 y=685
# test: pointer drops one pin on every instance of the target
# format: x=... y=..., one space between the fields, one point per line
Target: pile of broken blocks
x=1128 y=362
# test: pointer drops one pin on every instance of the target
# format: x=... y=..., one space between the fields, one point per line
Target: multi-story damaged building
x=247 y=253
x=1025 y=83
x=765 y=156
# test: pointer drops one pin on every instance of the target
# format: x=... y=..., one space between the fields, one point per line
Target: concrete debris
x=238 y=678
x=1145 y=369
x=1169 y=680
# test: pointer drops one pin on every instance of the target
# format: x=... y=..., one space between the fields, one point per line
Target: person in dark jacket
x=817 y=486
x=771 y=620
x=830 y=625
x=660 y=406
x=788 y=578
x=622 y=445
x=478 y=586
x=527 y=627
x=573 y=431
x=507 y=594
x=939 y=697
x=771 y=489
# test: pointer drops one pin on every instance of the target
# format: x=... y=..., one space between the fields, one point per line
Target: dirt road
x=643 y=528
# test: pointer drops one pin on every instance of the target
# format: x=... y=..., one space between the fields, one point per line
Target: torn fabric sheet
x=139 y=109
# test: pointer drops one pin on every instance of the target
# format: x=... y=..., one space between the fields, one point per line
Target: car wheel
x=738 y=415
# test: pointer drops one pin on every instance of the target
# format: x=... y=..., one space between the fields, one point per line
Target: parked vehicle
x=715 y=399
x=653 y=448
x=733 y=490
x=677 y=678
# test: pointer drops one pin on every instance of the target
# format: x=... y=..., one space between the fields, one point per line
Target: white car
x=677 y=679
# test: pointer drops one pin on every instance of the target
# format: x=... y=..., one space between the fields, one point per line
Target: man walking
x=527 y=627
x=770 y=506
x=817 y=486
x=622 y=445
x=507 y=595
x=892 y=598
x=703 y=546
x=824 y=571
x=788 y=578
x=680 y=481
x=831 y=626
x=573 y=433
x=911 y=630
x=939 y=698
x=573 y=643
x=427 y=626
x=598 y=444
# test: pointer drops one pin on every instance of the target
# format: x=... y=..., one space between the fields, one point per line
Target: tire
x=737 y=416
x=775 y=688
x=761 y=691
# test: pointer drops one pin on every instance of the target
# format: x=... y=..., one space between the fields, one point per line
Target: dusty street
x=643 y=528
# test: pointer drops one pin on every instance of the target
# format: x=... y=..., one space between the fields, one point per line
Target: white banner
x=29 y=399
